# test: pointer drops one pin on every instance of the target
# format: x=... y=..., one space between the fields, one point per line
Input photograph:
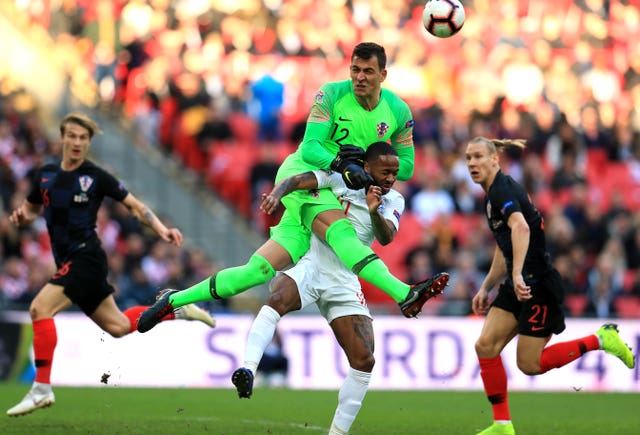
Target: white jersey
x=355 y=205
x=320 y=276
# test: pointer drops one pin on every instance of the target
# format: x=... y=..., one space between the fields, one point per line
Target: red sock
x=560 y=354
x=494 y=378
x=45 y=339
x=133 y=314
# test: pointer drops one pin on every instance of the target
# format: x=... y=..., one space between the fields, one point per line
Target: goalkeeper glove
x=355 y=177
x=346 y=155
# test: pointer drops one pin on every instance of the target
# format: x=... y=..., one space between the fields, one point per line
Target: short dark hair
x=378 y=149
x=366 y=50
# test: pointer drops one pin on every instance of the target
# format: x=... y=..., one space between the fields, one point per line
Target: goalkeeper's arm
x=311 y=147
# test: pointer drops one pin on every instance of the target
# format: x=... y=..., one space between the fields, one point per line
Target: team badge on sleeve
x=319 y=97
x=408 y=124
x=504 y=208
x=396 y=213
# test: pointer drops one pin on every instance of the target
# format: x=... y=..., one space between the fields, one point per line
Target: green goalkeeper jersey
x=336 y=118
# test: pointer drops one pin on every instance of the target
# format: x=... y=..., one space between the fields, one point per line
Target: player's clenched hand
x=480 y=302
x=269 y=203
x=173 y=236
x=374 y=198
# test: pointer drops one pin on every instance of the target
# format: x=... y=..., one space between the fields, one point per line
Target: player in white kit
x=321 y=278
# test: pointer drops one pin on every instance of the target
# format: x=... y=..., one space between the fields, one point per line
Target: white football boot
x=40 y=396
x=194 y=312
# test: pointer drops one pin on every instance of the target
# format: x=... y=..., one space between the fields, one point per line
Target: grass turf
x=114 y=410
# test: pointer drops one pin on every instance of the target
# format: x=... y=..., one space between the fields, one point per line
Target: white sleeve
x=392 y=207
x=330 y=180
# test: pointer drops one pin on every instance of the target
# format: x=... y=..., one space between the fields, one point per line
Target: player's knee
x=486 y=349
x=284 y=296
x=34 y=312
x=117 y=330
x=529 y=368
x=37 y=312
x=364 y=363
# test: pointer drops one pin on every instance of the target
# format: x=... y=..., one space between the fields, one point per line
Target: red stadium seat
x=576 y=304
x=628 y=306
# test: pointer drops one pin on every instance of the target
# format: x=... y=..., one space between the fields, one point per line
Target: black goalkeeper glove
x=355 y=177
x=346 y=155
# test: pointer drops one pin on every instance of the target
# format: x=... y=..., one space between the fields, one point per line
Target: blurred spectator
x=419 y=264
x=603 y=285
x=261 y=179
x=215 y=129
x=575 y=209
x=155 y=264
x=567 y=175
x=267 y=97
x=147 y=119
x=14 y=282
x=466 y=279
x=432 y=200
x=458 y=300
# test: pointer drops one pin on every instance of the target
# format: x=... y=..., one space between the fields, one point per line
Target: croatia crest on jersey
x=85 y=182
x=382 y=128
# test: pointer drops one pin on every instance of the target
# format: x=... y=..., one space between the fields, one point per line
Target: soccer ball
x=443 y=18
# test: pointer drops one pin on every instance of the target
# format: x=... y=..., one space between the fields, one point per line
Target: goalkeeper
x=350 y=112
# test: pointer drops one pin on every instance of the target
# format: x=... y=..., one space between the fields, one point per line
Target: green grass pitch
x=119 y=410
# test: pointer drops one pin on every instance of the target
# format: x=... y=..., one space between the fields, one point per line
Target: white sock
x=350 y=399
x=40 y=387
x=334 y=430
x=260 y=335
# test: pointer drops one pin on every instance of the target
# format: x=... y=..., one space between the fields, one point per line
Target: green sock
x=195 y=293
x=363 y=261
x=226 y=283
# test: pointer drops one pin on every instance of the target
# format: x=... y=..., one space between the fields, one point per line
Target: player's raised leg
x=260 y=268
x=330 y=225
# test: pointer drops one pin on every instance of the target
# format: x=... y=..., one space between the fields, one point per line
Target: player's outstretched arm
x=147 y=217
x=303 y=181
x=25 y=214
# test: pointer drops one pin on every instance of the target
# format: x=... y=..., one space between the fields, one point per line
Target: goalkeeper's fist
x=346 y=155
x=355 y=177
x=353 y=153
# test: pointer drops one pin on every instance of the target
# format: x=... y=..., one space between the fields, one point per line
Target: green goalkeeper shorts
x=304 y=205
x=291 y=236
x=293 y=232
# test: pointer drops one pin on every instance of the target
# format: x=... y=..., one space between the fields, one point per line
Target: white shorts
x=337 y=294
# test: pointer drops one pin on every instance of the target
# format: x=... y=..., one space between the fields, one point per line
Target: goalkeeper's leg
x=332 y=226
x=228 y=282
x=288 y=242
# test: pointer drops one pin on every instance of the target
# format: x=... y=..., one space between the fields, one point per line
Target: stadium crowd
x=224 y=88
